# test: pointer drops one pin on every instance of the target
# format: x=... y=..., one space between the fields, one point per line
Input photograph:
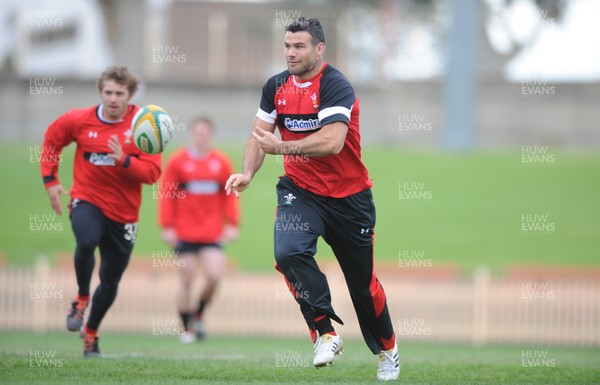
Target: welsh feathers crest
x=289 y=198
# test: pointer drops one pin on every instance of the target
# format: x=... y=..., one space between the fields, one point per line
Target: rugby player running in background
x=108 y=174
x=197 y=217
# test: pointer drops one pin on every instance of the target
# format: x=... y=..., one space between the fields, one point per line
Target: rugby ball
x=152 y=129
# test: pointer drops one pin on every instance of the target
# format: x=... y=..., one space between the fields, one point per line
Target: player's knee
x=287 y=255
x=212 y=277
x=110 y=288
x=87 y=234
x=86 y=247
x=109 y=281
x=212 y=280
x=186 y=281
x=214 y=273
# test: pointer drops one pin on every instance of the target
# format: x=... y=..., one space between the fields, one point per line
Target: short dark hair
x=312 y=26
x=120 y=75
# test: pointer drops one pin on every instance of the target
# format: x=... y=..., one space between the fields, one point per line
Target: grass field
x=57 y=359
x=471 y=215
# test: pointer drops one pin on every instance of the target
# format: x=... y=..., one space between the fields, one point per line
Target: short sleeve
x=266 y=110
x=337 y=98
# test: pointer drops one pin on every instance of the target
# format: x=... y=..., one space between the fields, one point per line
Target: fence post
x=481 y=282
x=41 y=274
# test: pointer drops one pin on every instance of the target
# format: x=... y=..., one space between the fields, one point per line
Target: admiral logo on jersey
x=201 y=187
x=99 y=159
x=301 y=124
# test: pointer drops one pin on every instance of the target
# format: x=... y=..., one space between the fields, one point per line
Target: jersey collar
x=309 y=81
x=195 y=154
x=102 y=118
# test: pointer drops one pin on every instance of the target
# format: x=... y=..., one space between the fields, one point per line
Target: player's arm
x=144 y=168
x=230 y=207
x=329 y=140
x=58 y=135
x=253 y=159
x=253 y=154
x=167 y=205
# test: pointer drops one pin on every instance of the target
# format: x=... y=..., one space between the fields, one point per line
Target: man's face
x=301 y=55
x=115 y=98
x=201 y=136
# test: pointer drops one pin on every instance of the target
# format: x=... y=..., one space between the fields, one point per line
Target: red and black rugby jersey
x=302 y=108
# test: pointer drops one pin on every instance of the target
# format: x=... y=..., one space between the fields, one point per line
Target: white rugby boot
x=389 y=364
x=326 y=348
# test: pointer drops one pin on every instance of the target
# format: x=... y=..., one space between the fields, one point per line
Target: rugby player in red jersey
x=326 y=189
x=197 y=217
x=108 y=174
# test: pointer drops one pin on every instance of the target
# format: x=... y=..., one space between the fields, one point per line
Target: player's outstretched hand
x=54 y=192
x=237 y=183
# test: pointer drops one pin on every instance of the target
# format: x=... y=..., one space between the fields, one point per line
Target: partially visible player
x=108 y=174
x=197 y=217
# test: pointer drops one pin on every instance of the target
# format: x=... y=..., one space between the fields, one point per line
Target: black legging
x=347 y=225
x=92 y=229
